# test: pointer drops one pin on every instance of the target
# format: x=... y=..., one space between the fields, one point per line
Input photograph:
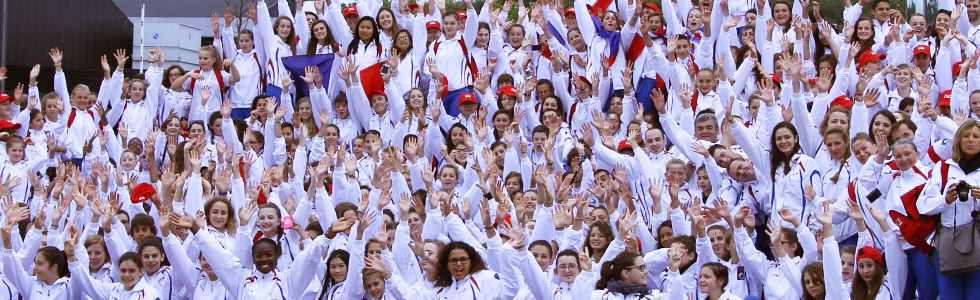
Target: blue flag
x=296 y=65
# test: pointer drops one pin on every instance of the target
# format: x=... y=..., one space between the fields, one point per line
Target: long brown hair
x=778 y=157
x=328 y=40
x=291 y=39
x=603 y=228
x=865 y=45
x=232 y=224
x=216 y=64
x=815 y=269
x=394 y=23
x=847 y=150
x=166 y=74
x=861 y=290
x=611 y=269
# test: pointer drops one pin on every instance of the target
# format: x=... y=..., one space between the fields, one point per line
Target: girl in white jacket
x=263 y=282
x=713 y=282
x=50 y=279
x=201 y=281
x=131 y=285
x=625 y=277
x=793 y=248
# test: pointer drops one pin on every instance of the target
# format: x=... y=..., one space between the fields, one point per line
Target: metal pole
x=142 y=22
x=3 y=43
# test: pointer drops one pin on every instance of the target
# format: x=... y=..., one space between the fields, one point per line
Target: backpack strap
x=217 y=75
x=469 y=60
x=193 y=82
x=221 y=81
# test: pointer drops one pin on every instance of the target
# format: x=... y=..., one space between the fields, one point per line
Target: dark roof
x=176 y=8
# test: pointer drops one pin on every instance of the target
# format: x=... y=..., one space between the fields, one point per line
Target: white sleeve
x=229 y=271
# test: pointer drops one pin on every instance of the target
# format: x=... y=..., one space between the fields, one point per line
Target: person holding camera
x=952 y=192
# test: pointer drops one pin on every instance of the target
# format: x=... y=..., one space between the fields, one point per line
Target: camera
x=963 y=190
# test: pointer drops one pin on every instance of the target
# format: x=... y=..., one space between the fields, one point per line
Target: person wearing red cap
x=922 y=58
x=467 y=116
x=351 y=16
x=874 y=280
x=569 y=17
x=870 y=62
x=433 y=30
x=461 y=16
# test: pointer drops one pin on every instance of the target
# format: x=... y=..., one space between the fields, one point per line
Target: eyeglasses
x=459 y=261
x=640 y=267
x=567 y=267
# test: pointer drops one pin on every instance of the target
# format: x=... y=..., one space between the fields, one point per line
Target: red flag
x=371 y=80
x=600 y=7
x=636 y=48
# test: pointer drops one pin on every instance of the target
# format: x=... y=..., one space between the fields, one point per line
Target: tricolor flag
x=296 y=65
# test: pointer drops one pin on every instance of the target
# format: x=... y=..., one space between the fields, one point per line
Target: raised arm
x=229 y=271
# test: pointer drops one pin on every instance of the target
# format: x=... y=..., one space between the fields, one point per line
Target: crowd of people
x=725 y=149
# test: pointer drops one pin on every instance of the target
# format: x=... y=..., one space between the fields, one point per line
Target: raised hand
x=121 y=58
x=788 y=216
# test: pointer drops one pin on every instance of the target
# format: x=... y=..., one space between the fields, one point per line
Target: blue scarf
x=612 y=36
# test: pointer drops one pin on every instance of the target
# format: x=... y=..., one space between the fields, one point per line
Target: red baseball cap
x=412 y=6
x=142 y=192
x=461 y=15
x=350 y=10
x=509 y=90
x=5 y=97
x=921 y=49
x=944 y=98
x=570 y=10
x=956 y=68
x=432 y=25
x=379 y=92
x=4 y=124
x=653 y=6
x=623 y=145
x=467 y=98
x=872 y=253
x=842 y=101
x=585 y=80
x=869 y=57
